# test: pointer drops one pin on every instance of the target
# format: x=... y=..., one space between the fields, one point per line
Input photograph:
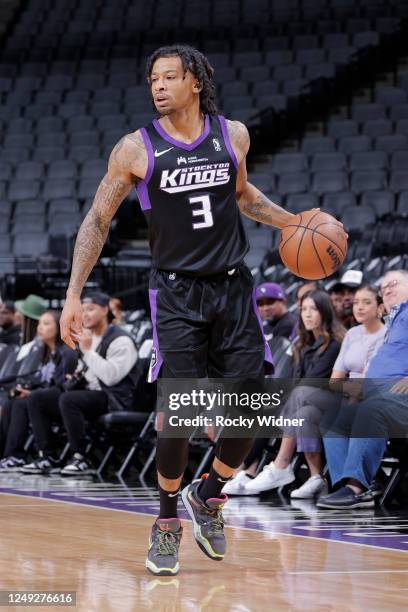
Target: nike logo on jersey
x=187 y=179
x=158 y=153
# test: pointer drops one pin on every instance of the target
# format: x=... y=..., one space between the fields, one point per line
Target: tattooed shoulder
x=130 y=155
x=239 y=136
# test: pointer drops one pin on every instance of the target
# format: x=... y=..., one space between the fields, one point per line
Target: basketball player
x=188 y=167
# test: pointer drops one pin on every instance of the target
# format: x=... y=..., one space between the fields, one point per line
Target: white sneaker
x=271 y=477
x=315 y=485
x=236 y=486
x=78 y=465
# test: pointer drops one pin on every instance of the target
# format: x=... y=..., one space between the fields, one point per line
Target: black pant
x=43 y=410
x=76 y=408
x=14 y=426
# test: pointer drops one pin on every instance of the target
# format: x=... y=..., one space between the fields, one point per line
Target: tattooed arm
x=127 y=164
x=251 y=201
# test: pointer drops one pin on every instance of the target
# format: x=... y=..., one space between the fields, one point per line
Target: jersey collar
x=178 y=143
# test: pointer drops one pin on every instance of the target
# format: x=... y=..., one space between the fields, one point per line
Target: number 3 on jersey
x=204 y=211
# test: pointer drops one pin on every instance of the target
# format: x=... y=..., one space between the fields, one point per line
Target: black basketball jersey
x=188 y=197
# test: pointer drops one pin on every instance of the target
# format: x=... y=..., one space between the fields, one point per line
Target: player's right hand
x=71 y=320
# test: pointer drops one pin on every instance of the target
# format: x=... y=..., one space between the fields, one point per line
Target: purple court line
x=397 y=542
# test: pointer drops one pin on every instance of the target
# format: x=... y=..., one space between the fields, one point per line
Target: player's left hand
x=339 y=222
x=401 y=386
x=84 y=339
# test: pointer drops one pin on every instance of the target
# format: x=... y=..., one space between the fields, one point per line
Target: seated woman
x=56 y=362
x=360 y=344
x=315 y=352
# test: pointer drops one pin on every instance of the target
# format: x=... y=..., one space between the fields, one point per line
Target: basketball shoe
x=162 y=558
x=208 y=522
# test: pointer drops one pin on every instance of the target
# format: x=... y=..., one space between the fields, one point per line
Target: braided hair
x=198 y=65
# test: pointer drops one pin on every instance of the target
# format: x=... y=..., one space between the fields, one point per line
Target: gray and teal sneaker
x=208 y=522
x=162 y=558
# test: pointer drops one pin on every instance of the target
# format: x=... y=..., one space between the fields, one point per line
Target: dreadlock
x=198 y=65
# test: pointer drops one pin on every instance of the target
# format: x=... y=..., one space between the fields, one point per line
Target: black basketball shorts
x=206 y=326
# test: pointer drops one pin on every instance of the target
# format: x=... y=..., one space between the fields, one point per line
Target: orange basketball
x=313 y=245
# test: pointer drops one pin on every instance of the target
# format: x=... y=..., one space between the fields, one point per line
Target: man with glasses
x=383 y=412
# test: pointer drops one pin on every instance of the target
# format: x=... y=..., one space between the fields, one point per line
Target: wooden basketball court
x=91 y=537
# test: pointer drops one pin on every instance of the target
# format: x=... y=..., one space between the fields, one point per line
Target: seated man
x=273 y=309
x=342 y=294
x=10 y=332
x=354 y=460
x=107 y=383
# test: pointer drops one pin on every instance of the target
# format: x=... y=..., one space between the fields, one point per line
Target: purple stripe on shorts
x=157 y=359
x=178 y=143
x=269 y=365
x=141 y=188
x=227 y=141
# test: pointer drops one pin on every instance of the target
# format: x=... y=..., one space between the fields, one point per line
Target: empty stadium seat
x=30 y=170
x=328 y=181
x=367 y=180
x=368 y=160
x=30 y=243
x=63 y=205
x=339 y=128
x=357 y=218
x=395 y=142
x=377 y=127
x=5 y=171
x=293 y=182
x=402 y=205
x=62 y=169
x=380 y=201
x=297 y=202
x=399 y=160
x=353 y=144
x=328 y=161
x=317 y=144
x=364 y=112
x=23 y=190
x=58 y=188
x=94 y=169
x=399 y=180
x=289 y=162
x=29 y=208
x=28 y=224
x=339 y=201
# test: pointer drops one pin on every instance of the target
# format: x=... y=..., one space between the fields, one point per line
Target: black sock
x=168 y=503
x=212 y=485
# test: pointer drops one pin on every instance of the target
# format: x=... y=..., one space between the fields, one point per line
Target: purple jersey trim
x=269 y=365
x=141 y=188
x=157 y=359
x=178 y=143
x=227 y=141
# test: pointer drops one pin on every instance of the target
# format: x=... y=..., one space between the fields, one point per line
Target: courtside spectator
x=305 y=288
x=31 y=310
x=354 y=460
x=10 y=332
x=342 y=295
x=109 y=378
x=115 y=306
x=57 y=360
x=315 y=353
x=273 y=308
